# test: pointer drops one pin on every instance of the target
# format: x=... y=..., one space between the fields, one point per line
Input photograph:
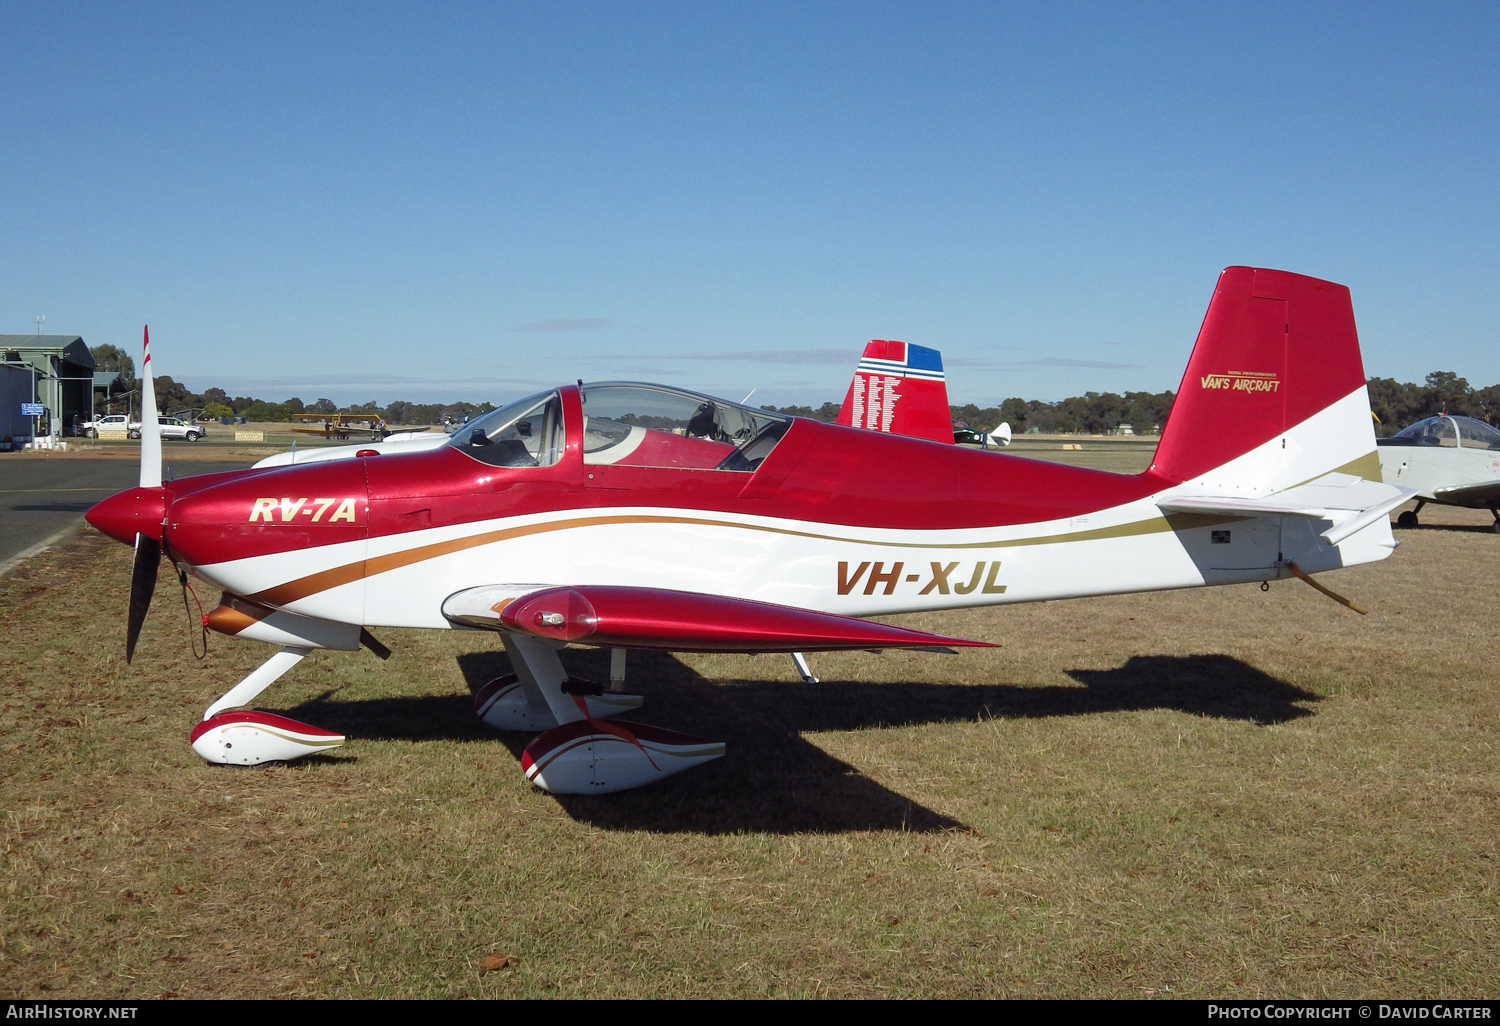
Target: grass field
x=1211 y=793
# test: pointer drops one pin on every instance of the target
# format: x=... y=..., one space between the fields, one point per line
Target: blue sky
x=436 y=201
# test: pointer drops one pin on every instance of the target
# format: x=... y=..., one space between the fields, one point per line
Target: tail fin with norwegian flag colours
x=899 y=388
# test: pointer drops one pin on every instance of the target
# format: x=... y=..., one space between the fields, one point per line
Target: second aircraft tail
x=899 y=388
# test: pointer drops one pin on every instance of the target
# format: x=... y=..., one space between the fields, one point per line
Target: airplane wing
x=1479 y=496
x=678 y=621
x=408 y=442
x=1353 y=503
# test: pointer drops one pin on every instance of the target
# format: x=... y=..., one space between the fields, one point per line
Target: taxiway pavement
x=41 y=497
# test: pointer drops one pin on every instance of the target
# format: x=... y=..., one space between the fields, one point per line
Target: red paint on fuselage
x=211 y=522
x=840 y=476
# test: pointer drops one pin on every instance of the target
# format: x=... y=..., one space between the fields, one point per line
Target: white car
x=114 y=422
x=171 y=427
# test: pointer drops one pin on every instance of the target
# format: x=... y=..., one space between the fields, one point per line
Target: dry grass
x=1218 y=792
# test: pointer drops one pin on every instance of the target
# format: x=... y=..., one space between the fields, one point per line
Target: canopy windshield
x=638 y=425
x=527 y=433
x=1475 y=434
x=1432 y=431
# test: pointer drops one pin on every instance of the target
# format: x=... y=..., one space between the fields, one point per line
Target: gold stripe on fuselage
x=312 y=584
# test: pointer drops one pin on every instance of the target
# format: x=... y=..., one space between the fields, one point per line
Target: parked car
x=114 y=422
x=171 y=427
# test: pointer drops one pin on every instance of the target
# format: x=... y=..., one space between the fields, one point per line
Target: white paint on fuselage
x=1429 y=468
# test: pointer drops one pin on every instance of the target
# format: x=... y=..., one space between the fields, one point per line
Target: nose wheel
x=253 y=738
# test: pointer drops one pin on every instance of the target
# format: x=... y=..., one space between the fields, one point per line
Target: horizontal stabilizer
x=1353 y=503
x=678 y=621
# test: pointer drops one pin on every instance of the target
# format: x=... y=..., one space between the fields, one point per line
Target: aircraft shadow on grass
x=774 y=780
x=1459 y=528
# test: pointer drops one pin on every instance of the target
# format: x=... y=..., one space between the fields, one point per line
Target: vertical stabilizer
x=1276 y=349
x=899 y=388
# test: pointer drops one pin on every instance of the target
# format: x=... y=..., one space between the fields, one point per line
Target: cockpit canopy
x=1450 y=432
x=636 y=425
x=527 y=433
x=627 y=424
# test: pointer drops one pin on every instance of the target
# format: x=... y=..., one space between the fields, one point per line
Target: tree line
x=214 y=403
x=1400 y=405
x=1395 y=404
x=1094 y=413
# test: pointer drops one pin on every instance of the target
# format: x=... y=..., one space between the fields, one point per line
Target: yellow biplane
x=342 y=425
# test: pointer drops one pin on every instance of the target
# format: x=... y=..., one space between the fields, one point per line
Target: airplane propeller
x=147 y=549
x=142 y=587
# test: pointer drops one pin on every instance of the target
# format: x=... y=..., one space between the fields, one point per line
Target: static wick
x=1303 y=575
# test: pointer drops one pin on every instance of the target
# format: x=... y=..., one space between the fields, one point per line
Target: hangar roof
x=67 y=347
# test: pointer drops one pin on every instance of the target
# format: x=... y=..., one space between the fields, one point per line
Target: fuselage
x=1431 y=471
x=834 y=519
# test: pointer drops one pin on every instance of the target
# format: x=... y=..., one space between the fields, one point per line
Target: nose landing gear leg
x=250 y=738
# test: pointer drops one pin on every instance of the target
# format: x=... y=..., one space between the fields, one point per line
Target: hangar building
x=63 y=370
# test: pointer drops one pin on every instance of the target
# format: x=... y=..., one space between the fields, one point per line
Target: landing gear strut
x=578 y=751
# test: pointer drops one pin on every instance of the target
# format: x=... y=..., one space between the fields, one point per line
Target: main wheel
x=1407 y=519
x=1496 y=526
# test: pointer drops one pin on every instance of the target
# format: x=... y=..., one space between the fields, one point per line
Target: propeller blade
x=142 y=587
x=150 y=426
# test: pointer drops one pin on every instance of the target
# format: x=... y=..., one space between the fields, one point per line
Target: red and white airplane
x=627 y=515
